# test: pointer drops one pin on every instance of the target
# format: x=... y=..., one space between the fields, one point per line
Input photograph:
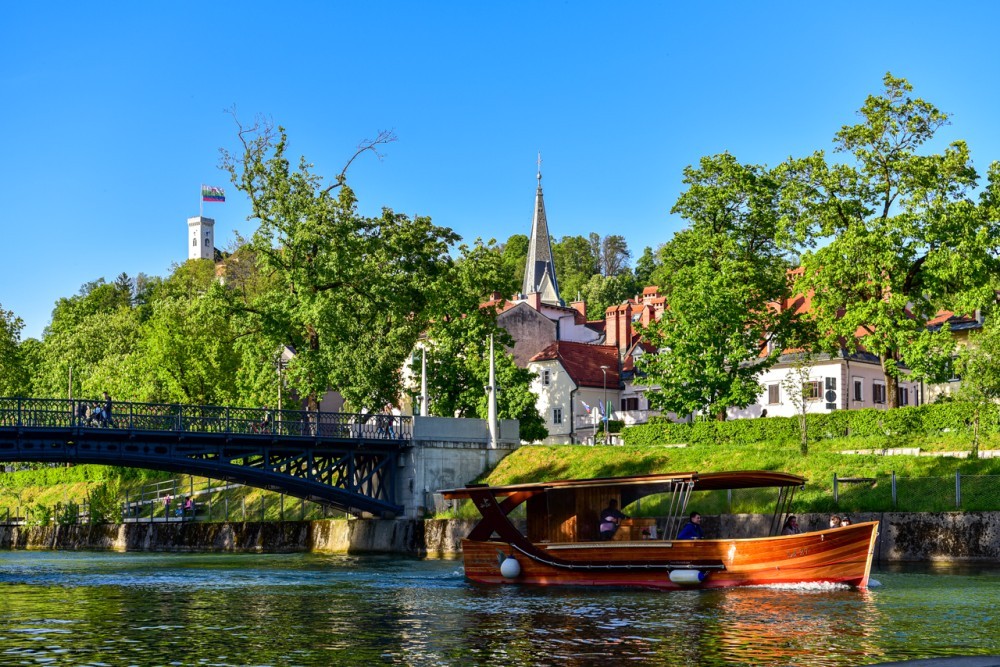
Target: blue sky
x=114 y=112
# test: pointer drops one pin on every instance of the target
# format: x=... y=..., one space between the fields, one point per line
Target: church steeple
x=540 y=269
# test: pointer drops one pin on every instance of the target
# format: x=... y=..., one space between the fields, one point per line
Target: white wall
x=845 y=373
x=555 y=395
x=201 y=238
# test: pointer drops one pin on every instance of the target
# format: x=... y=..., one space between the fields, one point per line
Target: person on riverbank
x=611 y=518
x=188 y=507
x=791 y=526
x=692 y=529
x=166 y=505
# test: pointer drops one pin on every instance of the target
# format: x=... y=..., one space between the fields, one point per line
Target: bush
x=935 y=418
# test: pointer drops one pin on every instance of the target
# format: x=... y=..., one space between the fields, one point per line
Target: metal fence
x=889 y=493
x=66 y=413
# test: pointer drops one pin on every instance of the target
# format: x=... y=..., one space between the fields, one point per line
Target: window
x=811 y=391
x=631 y=403
x=904 y=396
x=557 y=416
x=773 y=394
x=194 y=242
x=952 y=375
x=546 y=378
x=859 y=389
x=206 y=242
x=878 y=392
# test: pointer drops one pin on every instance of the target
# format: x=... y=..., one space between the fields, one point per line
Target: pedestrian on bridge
x=81 y=412
x=106 y=416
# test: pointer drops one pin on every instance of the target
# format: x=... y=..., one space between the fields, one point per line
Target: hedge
x=951 y=416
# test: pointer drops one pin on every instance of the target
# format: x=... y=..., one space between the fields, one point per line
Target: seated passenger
x=834 y=521
x=845 y=521
x=791 y=526
x=611 y=516
x=692 y=529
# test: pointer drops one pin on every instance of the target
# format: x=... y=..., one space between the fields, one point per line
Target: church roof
x=540 y=268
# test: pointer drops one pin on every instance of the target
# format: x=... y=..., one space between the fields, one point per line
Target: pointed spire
x=540 y=268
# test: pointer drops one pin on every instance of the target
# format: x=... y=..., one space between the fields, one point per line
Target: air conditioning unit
x=831 y=394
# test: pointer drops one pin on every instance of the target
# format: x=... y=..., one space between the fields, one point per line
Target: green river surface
x=77 y=608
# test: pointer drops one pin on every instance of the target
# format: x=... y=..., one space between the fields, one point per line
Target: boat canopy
x=643 y=485
x=567 y=510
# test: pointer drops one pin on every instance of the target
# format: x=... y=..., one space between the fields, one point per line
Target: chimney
x=581 y=308
x=535 y=300
x=625 y=324
x=611 y=326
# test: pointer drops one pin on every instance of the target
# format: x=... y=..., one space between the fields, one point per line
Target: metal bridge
x=347 y=461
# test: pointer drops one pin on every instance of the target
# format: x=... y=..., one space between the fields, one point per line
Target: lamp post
x=604 y=370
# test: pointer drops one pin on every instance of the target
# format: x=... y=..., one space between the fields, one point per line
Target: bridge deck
x=345 y=460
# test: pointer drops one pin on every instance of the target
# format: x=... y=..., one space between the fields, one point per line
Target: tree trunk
x=891 y=389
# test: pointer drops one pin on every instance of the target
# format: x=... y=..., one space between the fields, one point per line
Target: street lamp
x=604 y=369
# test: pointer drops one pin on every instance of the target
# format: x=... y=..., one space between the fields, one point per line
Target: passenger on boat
x=611 y=516
x=692 y=529
x=835 y=521
x=845 y=521
x=791 y=526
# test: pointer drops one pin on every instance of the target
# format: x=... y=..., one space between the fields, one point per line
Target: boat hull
x=838 y=556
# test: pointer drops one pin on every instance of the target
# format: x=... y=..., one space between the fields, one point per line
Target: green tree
x=645 y=267
x=350 y=294
x=726 y=269
x=515 y=255
x=95 y=333
x=457 y=344
x=894 y=237
x=614 y=255
x=601 y=292
x=576 y=260
x=14 y=377
x=978 y=365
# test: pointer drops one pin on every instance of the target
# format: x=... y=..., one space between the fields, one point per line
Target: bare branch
x=384 y=137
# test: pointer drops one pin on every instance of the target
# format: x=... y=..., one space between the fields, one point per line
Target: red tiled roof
x=583 y=362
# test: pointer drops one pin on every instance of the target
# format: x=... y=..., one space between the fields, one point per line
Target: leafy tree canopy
x=894 y=236
x=725 y=269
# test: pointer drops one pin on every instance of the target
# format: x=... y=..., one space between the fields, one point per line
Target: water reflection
x=75 y=609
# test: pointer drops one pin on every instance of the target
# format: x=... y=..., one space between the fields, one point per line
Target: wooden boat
x=561 y=546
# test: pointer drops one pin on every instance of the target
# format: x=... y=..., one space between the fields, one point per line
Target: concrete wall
x=447 y=453
x=972 y=537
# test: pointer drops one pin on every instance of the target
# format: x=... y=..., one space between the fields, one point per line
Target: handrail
x=17 y=412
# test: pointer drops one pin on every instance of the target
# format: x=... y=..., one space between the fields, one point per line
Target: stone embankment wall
x=904 y=537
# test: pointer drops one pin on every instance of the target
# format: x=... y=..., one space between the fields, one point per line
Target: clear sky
x=114 y=112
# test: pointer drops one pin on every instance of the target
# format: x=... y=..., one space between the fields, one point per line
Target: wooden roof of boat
x=709 y=481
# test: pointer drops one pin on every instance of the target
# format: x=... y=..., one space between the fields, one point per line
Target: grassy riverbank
x=924 y=482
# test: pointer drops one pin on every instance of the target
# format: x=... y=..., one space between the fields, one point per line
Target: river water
x=72 y=608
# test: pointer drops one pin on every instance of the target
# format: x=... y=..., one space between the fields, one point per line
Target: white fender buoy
x=687 y=577
x=510 y=568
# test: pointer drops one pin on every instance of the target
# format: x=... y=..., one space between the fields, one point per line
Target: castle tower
x=540 y=269
x=201 y=238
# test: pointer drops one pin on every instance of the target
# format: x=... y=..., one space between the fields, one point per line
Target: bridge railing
x=173 y=417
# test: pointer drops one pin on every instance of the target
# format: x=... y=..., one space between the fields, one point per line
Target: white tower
x=201 y=238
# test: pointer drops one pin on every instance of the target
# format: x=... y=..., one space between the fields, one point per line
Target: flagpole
x=201 y=204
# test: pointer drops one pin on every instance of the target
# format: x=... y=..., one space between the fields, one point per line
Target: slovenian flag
x=586 y=407
x=212 y=193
